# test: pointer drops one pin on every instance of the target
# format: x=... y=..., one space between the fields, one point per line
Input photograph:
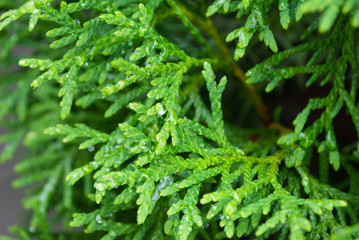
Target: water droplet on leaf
x=98 y=219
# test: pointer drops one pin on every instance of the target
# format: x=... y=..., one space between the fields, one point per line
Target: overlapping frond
x=135 y=149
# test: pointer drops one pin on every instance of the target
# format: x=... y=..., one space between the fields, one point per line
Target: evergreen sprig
x=139 y=147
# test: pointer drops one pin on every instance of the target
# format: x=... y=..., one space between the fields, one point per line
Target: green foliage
x=125 y=132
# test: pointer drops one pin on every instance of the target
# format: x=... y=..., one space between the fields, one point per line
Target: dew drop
x=160 y=109
x=22 y=62
x=98 y=219
x=91 y=148
x=100 y=187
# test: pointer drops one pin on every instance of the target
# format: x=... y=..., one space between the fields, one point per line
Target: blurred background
x=11 y=210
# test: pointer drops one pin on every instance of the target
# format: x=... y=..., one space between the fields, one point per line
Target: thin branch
x=208 y=26
x=262 y=110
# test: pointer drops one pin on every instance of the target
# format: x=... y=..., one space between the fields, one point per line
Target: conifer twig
x=262 y=110
x=208 y=26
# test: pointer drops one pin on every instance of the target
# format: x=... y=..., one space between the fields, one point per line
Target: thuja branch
x=262 y=110
x=272 y=159
x=143 y=144
x=208 y=26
